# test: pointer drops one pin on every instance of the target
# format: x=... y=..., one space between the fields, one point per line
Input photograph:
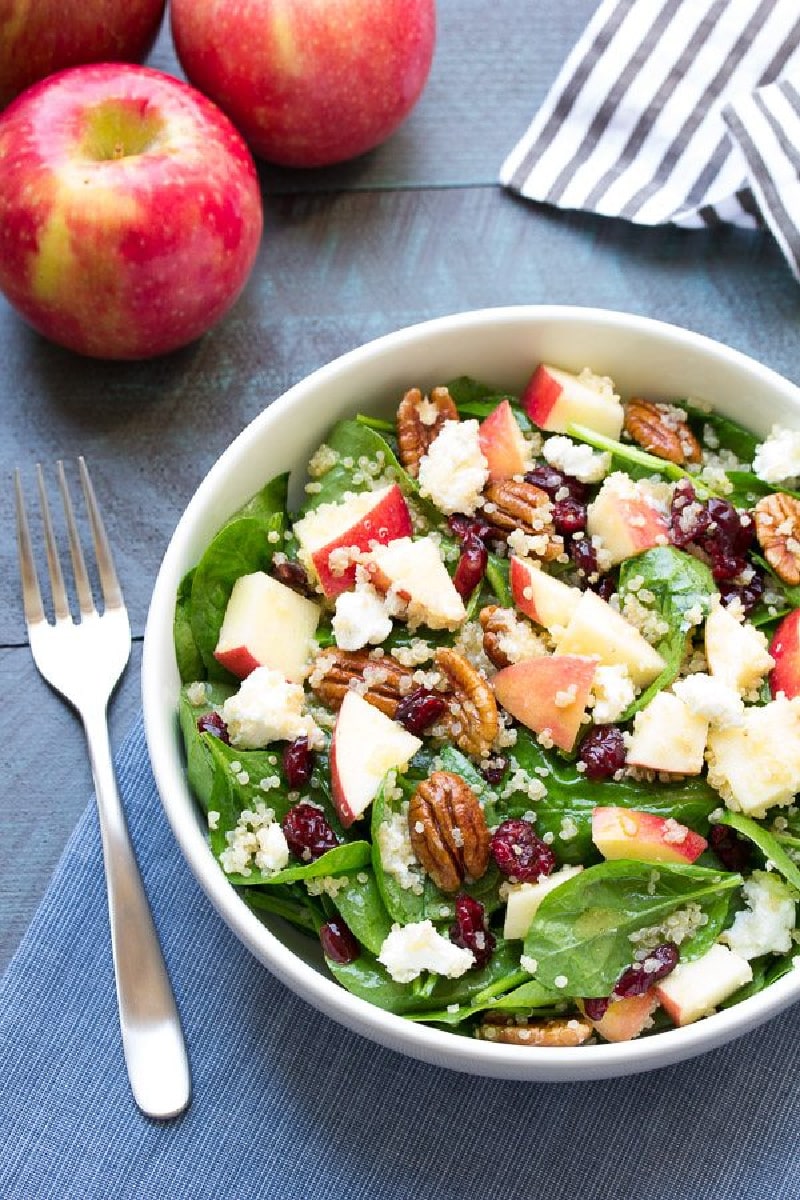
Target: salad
x=507 y=713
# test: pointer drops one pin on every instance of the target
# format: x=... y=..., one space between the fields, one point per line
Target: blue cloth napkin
x=288 y=1105
x=679 y=111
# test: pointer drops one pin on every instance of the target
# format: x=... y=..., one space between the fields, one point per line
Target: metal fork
x=84 y=662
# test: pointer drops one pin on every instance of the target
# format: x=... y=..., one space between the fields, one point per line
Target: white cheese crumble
x=576 y=459
x=360 y=619
x=454 y=471
x=411 y=949
x=778 y=457
x=614 y=691
x=765 y=926
x=705 y=696
x=267 y=709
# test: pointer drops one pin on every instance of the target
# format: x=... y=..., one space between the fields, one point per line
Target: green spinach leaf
x=766 y=842
x=582 y=930
x=187 y=654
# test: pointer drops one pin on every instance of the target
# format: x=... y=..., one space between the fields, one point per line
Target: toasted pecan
x=335 y=672
x=448 y=830
x=515 y=504
x=471 y=718
x=777 y=519
x=419 y=421
x=662 y=430
x=498 y=1027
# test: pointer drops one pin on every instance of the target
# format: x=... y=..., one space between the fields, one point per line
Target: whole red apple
x=308 y=82
x=38 y=37
x=130 y=211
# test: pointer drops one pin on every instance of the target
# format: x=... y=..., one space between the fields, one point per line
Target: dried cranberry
x=569 y=516
x=293 y=575
x=602 y=752
x=470 y=930
x=520 y=853
x=748 y=591
x=494 y=770
x=471 y=565
x=463 y=526
x=596 y=1009
x=732 y=850
x=212 y=722
x=727 y=539
x=605 y=586
x=553 y=481
x=307 y=831
x=689 y=519
x=419 y=709
x=298 y=762
x=636 y=980
x=338 y=943
x=583 y=554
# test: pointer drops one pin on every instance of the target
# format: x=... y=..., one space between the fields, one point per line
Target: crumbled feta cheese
x=360 y=619
x=273 y=849
x=411 y=949
x=705 y=696
x=765 y=926
x=614 y=691
x=268 y=709
x=576 y=459
x=454 y=471
x=778 y=457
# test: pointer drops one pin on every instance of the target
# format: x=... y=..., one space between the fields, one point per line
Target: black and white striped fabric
x=681 y=111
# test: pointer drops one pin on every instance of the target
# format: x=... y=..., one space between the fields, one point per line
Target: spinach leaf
x=766 y=842
x=370 y=980
x=582 y=930
x=466 y=390
x=766 y=970
x=363 y=911
x=791 y=593
x=190 y=661
x=680 y=585
x=199 y=761
x=286 y=902
x=635 y=462
x=241 y=547
x=730 y=434
x=497 y=570
x=528 y=998
x=566 y=811
x=349 y=856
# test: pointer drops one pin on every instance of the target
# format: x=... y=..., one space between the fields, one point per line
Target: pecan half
x=419 y=420
x=448 y=830
x=560 y=1032
x=506 y=639
x=471 y=719
x=662 y=430
x=387 y=681
x=777 y=520
x=511 y=504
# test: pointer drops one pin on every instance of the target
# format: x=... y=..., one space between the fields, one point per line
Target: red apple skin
x=528 y=689
x=308 y=84
x=502 y=443
x=643 y=836
x=44 y=36
x=389 y=519
x=785 y=649
x=129 y=257
x=239 y=661
x=340 y=802
x=540 y=395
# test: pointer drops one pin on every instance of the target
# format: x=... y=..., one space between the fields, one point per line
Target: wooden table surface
x=417 y=229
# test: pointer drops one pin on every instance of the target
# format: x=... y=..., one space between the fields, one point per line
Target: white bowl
x=500 y=346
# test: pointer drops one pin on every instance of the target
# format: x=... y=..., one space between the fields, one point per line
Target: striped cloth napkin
x=681 y=111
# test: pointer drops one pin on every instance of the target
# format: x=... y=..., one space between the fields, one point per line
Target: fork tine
x=112 y=592
x=60 y=601
x=31 y=593
x=82 y=585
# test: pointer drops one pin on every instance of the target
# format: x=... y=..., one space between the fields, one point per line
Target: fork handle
x=152 y=1038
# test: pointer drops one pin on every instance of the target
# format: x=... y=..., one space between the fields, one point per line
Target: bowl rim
x=441 y=1047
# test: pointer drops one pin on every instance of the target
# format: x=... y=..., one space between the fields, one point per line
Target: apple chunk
x=668 y=736
x=503 y=444
x=549 y=694
x=556 y=399
x=785 y=650
x=627 y=518
x=333 y=536
x=524 y=899
x=598 y=629
x=365 y=745
x=542 y=597
x=626 y=1018
x=644 y=836
x=694 y=989
x=266 y=624
x=415 y=578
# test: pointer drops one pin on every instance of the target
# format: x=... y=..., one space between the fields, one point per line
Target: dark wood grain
x=417 y=229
